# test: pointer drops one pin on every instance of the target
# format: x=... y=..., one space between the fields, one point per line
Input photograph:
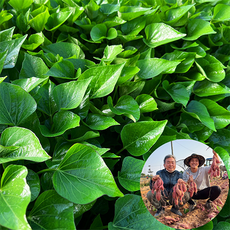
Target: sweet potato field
x=89 y=89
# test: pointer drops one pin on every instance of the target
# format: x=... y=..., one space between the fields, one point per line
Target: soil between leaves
x=192 y=219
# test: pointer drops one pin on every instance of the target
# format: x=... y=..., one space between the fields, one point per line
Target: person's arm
x=185 y=176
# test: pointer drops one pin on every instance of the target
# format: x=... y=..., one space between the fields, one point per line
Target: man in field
x=170 y=176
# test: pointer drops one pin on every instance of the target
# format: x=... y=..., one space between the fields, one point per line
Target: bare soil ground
x=189 y=220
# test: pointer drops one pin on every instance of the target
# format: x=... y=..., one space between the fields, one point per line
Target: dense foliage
x=89 y=89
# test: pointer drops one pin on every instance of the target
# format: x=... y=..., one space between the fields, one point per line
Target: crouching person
x=170 y=177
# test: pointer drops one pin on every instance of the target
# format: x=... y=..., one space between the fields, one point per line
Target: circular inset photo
x=184 y=184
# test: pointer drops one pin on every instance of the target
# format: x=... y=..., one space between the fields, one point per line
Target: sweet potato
x=158 y=187
x=178 y=191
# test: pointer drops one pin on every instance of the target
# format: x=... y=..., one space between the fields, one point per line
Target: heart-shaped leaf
x=129 y=176
x=64 y=49
x=200 y=112
x=131 y=213
x=139 y=137
x=47 y=208
x=220 y=115
x=40 y=18
x=125 y=105
x=29 y=84
x=82 y=176
x=14 y=197
x=198 y=28
x=152 y=67
x=158 y=34
x=33 y=66
x=62 y=121
x=28 y=145
x=221 y=13
x=146 y=103
x=63 y=69
x=45 y=100
x=12 y=48
x=128 y=13
x=104 y=79
x=206 y=88
x=99 y=122
x=15 y=104
x=55 y=20
x=69 y=95
x=177 y=91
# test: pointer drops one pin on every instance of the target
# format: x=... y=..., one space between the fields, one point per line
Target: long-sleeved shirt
x=201 y=177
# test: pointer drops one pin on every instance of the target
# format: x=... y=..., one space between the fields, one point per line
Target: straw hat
x=194 y=155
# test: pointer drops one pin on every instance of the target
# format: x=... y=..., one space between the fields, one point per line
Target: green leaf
x=29 y=84
x=63 y=69
x=128 y=13
x=99 y=122
x=33 y=42
x=153 y=67
x=62 y=121
x=200 y=112
x=222 y=225
x=69 y=95
x=45 y=100
x=131 y=213
x=6 y=35
x=220 y=115
x=224 y=155
x=28 y=145
x=34 y=184
x=221 y=13
x=104 y=79
x=139 y=137
x=206 y=88
x=52 y=211
x=208 y=226
x=187 y=60
x=158 y=34
x=80 y=209
x=173 y=15
x=221 y=138
x=64 y=49
x=20 y=4
x=12 y=47
x=39 y=19
x=97 y=223
x=22 y=21
x=177 y=91
x=2 y=59
x=15 y=104
x=4 y=17
x=125 y=105
x=55 y=20
x=80 y=134
x=81 y=169
x=33 y=67
x=4 y=151
x=211 y=68
x=98 y=32
x=14 y=197
x=129 y=176
x=111 y=52
x=197 y=28
x=146 y=103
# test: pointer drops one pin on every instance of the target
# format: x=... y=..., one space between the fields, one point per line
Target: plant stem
x=45 y=170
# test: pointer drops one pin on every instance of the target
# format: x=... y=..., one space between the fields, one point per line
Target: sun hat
x=194 y=155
